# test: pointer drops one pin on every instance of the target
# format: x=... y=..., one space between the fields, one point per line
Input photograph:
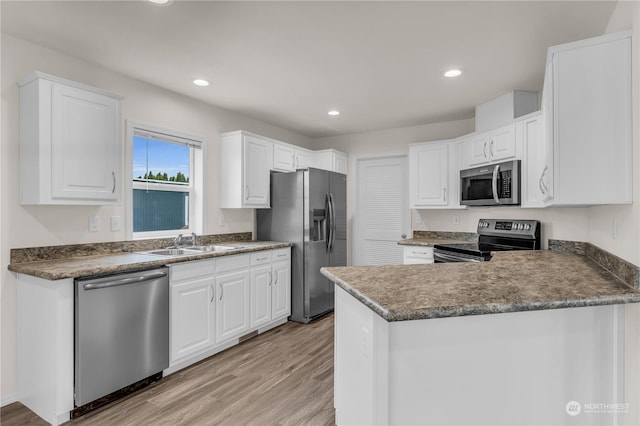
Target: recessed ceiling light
x=334 y=112
x=162 y=2
x=200 y=82
x=452 y=73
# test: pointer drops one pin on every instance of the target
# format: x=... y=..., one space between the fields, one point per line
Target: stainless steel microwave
x=491 y=185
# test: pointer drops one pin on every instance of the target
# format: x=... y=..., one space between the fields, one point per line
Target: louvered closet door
x=382 y=212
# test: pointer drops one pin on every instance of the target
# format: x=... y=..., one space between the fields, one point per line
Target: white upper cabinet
x=433 y=172
x=534 y=186
x=330 y=159
x=245 y=164
x=70 y=143
x=488 y=147
x=284 y=157
x=246 y=161
x=588 y=122
x=303 y=158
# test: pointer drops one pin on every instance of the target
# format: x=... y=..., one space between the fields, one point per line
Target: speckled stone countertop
x=86 y=266
x=431 y=238
x=428 y=242
x=511 y=282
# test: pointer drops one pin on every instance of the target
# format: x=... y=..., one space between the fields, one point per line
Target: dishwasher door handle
x=124 y=281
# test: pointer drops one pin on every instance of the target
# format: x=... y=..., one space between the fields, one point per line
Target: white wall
x=394 y=140
x=28 y=226
x=592 y=224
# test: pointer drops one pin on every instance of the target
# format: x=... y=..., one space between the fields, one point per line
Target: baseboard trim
x=10 y=399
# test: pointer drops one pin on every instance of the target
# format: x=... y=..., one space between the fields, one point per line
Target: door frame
x=356 y=224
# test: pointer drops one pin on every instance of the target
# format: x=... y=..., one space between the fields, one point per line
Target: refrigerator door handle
x=327 y=222
x=333 y=221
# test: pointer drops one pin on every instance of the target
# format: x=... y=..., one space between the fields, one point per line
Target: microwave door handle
x=494 y=184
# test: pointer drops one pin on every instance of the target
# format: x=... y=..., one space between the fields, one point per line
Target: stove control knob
x=527 y=227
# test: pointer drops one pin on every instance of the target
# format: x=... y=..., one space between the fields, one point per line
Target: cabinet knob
x=403 y=236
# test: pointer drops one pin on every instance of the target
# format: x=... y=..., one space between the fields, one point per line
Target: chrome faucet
x=181 y=240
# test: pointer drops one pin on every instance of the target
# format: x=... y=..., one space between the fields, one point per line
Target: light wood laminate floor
x=281 y=377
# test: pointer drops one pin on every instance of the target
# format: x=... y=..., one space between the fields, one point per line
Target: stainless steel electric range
x=493 y=235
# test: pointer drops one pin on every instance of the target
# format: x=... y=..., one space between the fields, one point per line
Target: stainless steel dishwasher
x=121 y=331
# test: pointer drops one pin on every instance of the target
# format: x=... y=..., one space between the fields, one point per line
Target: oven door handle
x=452 y=258
x=494 y=184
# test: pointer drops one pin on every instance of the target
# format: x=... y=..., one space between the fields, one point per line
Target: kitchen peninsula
x=510 y=341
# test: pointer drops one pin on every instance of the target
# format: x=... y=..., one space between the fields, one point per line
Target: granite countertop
x=511 y=282
x=84 y=266
x=429 y=242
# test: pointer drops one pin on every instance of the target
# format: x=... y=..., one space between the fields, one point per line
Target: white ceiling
x=288 y=63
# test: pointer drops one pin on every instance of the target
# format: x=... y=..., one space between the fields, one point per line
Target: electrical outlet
x=116 y=225
x=418 y=220
x=614 y=229
x=94 y=223
x=221 y=221
x=456 y=220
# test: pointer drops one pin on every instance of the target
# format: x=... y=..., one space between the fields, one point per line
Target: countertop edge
x=39 y=268
x=483 y=309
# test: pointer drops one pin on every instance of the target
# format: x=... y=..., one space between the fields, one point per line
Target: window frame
x=195 y=187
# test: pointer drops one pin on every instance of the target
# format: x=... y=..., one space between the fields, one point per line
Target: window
x=166 y=183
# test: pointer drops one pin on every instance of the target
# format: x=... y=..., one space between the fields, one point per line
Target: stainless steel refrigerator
x=309 y=209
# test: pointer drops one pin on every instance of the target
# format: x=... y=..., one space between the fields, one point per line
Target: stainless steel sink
x=172 y=252
x=189 y=251
x=212 y=247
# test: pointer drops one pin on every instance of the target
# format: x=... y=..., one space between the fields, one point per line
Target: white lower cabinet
x=232 y=298
x=270 y=287
x=214 y=302
x=261 y=283
x=192 y=308
x=281 y=288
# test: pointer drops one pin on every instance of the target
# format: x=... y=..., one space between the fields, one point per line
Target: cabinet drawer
x=418 y=252
x=281 y=254
x=229 y=263
x=260 y=257
x=189 y=270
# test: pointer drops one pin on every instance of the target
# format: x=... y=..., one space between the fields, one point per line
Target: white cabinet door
x=502 y=143
x=283 y=157
x=232 y=304
x=589 y=111
x=256 y=170
x=534 y=167
x=476 y=150
x=330 y=159
x=70 y=143
x=261 y=282
x=246 y=161
x=281 y=288
x=84 y=145
x=485 y=148
x=428 y=174
x=304 y=158
x=192 y=317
